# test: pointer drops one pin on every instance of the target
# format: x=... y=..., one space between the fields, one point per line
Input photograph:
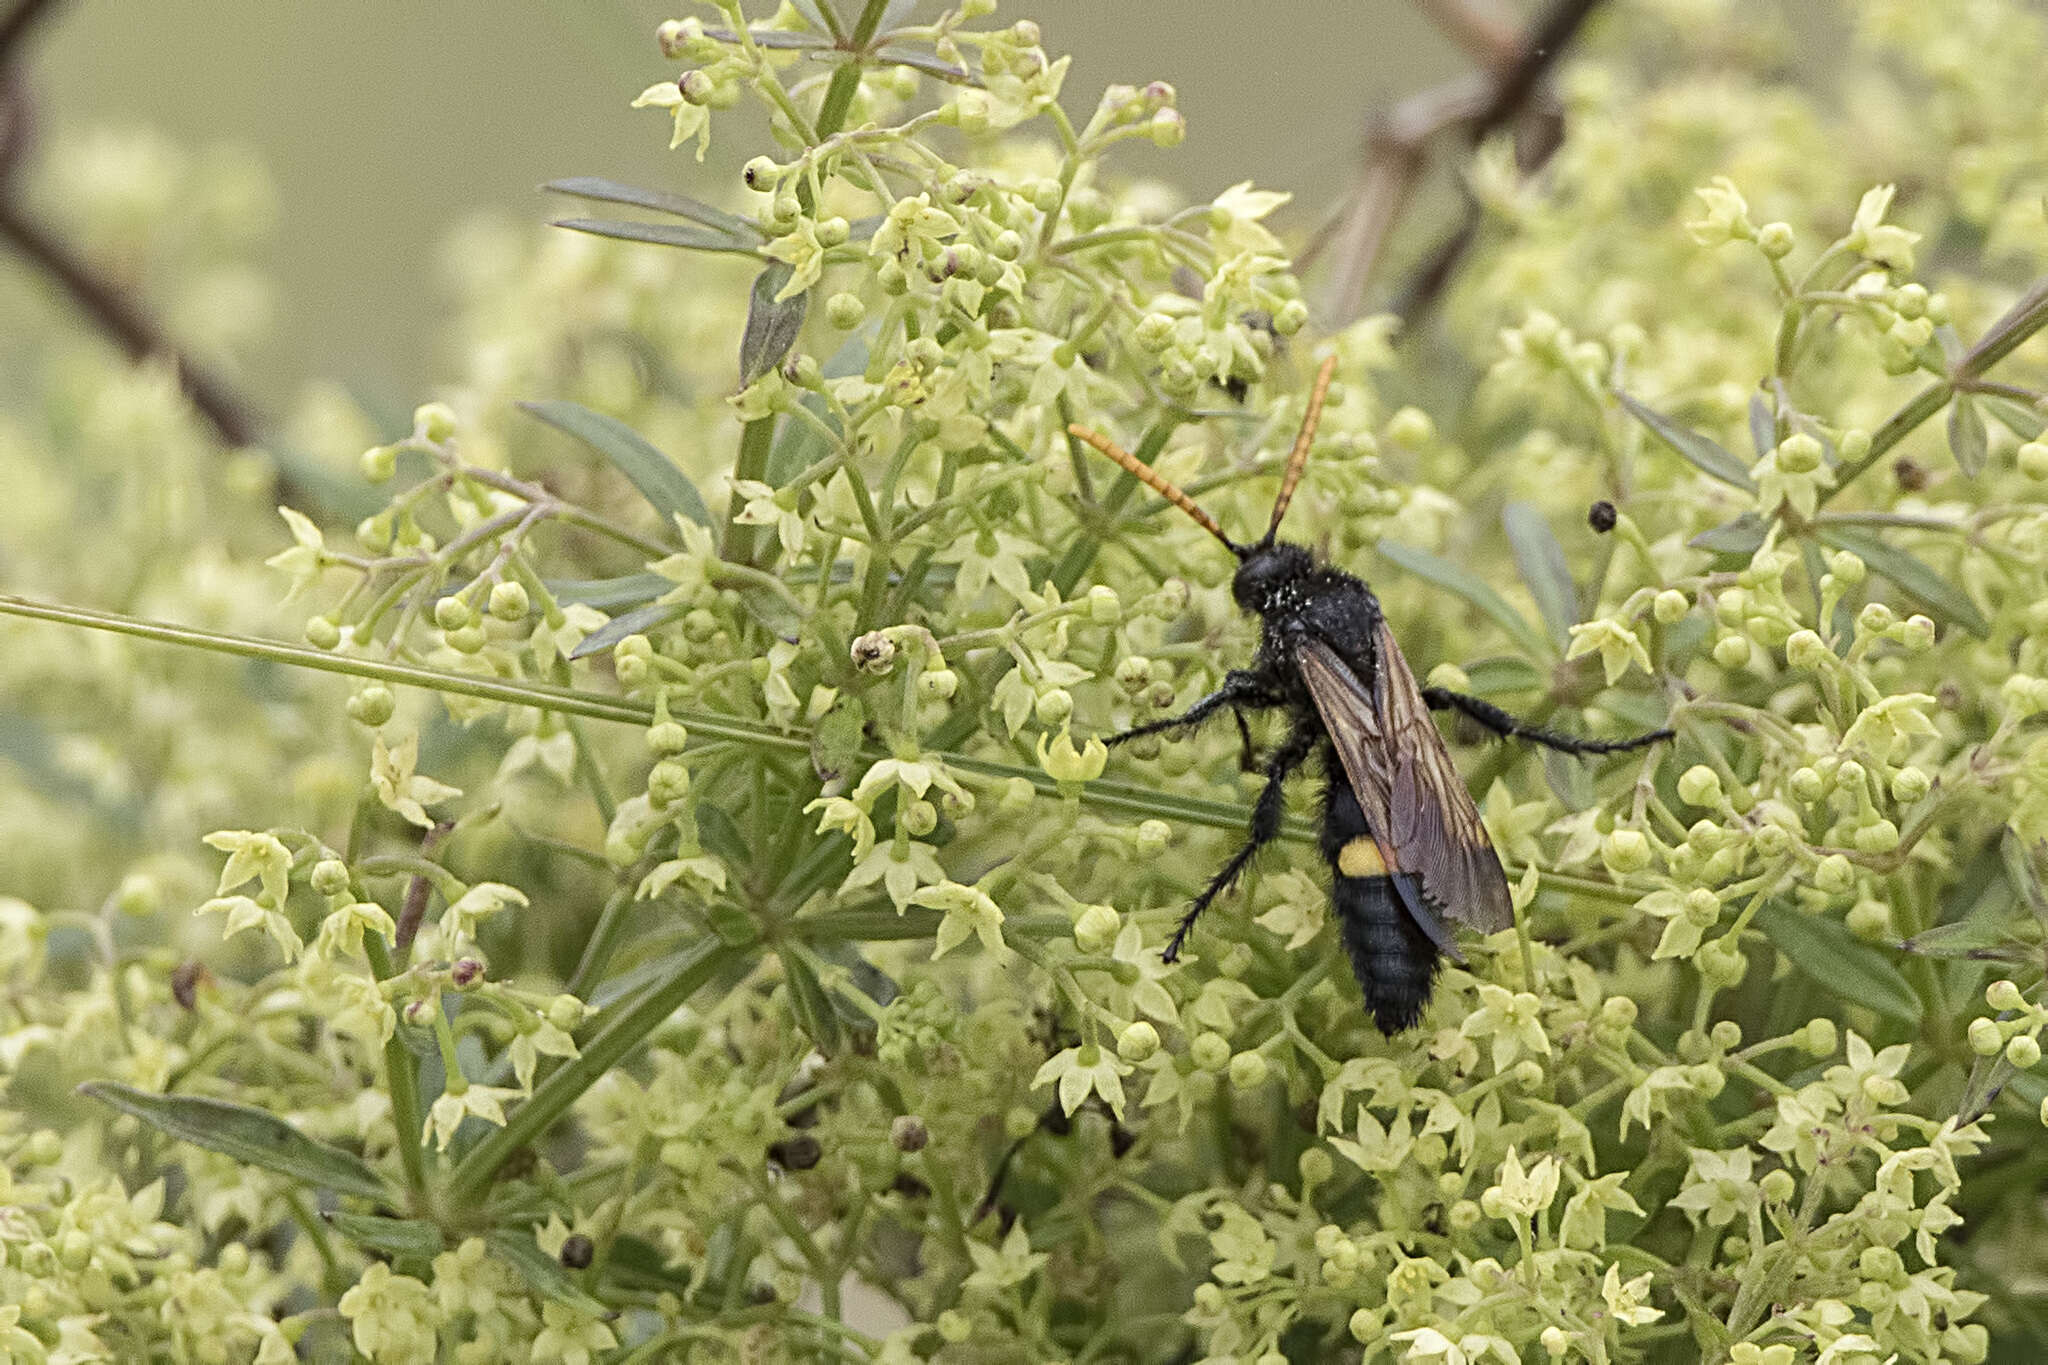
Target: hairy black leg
x=1266 y=814
x=1241 y=688
x=1509 y=727
x=1248 y=756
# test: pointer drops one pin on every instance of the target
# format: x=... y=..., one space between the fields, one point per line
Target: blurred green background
x=385 y=123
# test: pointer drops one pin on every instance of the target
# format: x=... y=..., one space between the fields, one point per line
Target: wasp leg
x=1509 y=727
x=1266 y=813
x=1241 y=688
x=1248 y=756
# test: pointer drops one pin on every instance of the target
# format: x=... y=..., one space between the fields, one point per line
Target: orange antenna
x=1154 y=480
x=1297 y=459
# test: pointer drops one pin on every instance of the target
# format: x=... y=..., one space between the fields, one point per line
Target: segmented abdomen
x=1394 y=961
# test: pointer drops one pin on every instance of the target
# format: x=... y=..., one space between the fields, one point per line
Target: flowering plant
x=713 y=922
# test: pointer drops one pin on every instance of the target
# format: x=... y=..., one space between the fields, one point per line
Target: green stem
x=401 y=1078
x=624 y=1028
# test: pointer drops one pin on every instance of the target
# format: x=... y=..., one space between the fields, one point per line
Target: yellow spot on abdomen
x=1361 y=858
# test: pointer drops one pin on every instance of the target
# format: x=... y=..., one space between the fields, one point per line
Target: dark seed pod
x=1600 y=516
x=577 y=1252
x=798 y=1153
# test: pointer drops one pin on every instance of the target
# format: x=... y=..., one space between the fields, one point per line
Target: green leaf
x=610 y=594
x=1763 y=428
x=2018 y=418
x=667 y=489
x=1503 y=673
x=773 y=38
x=1841 y=963
x=542 y=1272
x=2020 y=874
x=635 y=622
x=1445 y=574
x=661 y=201
x=253 y=1136
x=1974 y=938
x=1541 y=560
x=1939 y=596
x=1702 y=451
x=1988 y=1077
x=868 y=926
x=405 y=1238
x=717 y=833
x=657 y=234
x=1742 y=536
x=1966 y=436
x=772 y=328
x=809 y=1003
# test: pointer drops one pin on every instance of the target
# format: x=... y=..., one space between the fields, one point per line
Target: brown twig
x=1488 y=36
x=417 y=890
x=1399 y=142
x=109 y=307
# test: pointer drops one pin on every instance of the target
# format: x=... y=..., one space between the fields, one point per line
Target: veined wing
x=1421 y=815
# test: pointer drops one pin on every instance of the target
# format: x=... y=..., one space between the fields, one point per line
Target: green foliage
x=816 y=1011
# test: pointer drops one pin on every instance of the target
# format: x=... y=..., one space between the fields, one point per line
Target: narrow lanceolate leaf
x=248 y=1135
x=667 y=489
x=1938 y=596
x=610 y=594
x=1505 y=673
x=1703 y=451
x=542 y=1272
x=1763 y=428
x=658 y=234
x=1988 y=1078
x=661 y=201
x=772 y=327
x=1742 y=536
x=809 y=1003
x=404 y=1238
x=1966 y=435
x=638 y=621
x=1838 y=961
x=2021 y=419
x=1445 y=574
x=1541 y=560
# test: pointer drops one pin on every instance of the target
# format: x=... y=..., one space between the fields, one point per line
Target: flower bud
x=1879 y=836
x=1807 y=785
x=433 y=422
x=379 y=463
x=1732 y=651
x=2003 y=994
x=138 y=894
x=1834 y=875
x=509 y=601
x=1875 y=619
x=845 y=311
x=2023 y=1051
x=1626 y=850
x=467 y=640
x=372 y=705
x=1617 y=1013
x=1210 y=1051
x=1775 y=240
x=668 y=782
x=1410 y=427
x=1095 y=929
x=1918 y=633
x=1799 y=453
x=954 y=1326
x=1700 y=785
x=1778 y=1186
x=1054 y=705
x=1104 y=607
x=1806 y=650
x=329 y=877
x=451 y=613
x=938 y=684
x=1870 y=920
x=1670 y=607
x=1985 y=1037
x=323 y=632
x=1138 y=1041
x=1248 y=1070
x=1821 y=1039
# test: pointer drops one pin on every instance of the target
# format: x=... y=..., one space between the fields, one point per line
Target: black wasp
x=1405 y=844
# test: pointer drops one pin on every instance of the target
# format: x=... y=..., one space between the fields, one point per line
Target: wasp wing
x=1409 y=789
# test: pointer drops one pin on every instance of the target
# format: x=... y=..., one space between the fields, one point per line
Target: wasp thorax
x=1266 y=572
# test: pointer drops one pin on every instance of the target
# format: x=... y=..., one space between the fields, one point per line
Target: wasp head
x=1266 y=571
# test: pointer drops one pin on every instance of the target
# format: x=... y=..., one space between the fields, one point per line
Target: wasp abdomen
x=1394 y=960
